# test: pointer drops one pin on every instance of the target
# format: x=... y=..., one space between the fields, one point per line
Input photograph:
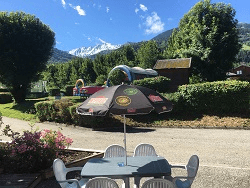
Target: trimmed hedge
x=54 y=92
x=213 y=97
x=159 y=83
x=69 y=90
x=5 y=98
x=57 y=111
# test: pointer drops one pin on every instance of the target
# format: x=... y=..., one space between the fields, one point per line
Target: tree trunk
x=19 y=93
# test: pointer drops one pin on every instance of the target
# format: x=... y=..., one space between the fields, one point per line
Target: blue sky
x=87 y=23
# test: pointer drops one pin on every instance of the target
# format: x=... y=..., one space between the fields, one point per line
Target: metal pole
x=125 y=146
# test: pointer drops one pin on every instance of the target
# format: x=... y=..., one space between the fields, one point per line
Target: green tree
x=148 y=54
x=87 y=71
x=208 y=34
x=26 y=45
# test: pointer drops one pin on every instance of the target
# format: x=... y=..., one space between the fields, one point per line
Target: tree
x=208 y=34
x=148 y=54
x=25 y=46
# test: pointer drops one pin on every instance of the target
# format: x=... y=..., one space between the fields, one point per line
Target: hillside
x=60 y=56
x=161 y=39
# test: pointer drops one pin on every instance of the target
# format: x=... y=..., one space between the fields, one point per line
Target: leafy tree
x=208 y=34
x=87 y=71
x=100 y=80
x=117 y=77
x=25 y=45
x=100 y=67
x=148 y=54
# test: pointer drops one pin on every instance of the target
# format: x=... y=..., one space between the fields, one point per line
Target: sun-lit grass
x=245 y=47
x=16 y=111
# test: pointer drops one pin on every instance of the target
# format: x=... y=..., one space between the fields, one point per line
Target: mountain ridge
x=60 y=56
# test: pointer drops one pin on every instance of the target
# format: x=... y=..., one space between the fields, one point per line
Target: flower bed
x=72 y=157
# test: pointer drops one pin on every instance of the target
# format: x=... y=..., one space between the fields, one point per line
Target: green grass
x=17 y=111
x=25 y=111
x=245 y=47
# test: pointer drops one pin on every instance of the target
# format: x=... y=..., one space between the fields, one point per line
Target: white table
x=149 y=166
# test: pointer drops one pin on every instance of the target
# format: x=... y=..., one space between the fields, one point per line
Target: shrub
x=57 y=111
x=45 y=111
x=213 y=97
x=90 y=121
x=159 y=83
x=69 y=90
x=5 y=98
x=54 y=92
x=100 y=80
x=32 y=151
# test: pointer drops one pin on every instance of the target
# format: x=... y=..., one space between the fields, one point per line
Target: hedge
x=5 y=97
x=213 y=97
x=159 y=83
x=57 y=111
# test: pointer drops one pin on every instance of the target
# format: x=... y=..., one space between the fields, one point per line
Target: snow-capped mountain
x=89 y=51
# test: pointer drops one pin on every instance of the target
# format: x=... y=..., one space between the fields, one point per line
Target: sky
x=85 y=23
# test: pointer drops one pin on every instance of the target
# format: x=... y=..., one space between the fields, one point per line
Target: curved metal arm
x=178 y=166
x=182 y=177
x=71 y=181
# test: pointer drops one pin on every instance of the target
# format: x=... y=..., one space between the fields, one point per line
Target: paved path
x=224 y=154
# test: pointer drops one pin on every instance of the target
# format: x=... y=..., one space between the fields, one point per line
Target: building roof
x=173 y=63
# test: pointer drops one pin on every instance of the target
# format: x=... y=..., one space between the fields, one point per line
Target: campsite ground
x=224 y=153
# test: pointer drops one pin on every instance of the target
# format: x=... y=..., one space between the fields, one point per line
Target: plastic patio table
x=143 y=166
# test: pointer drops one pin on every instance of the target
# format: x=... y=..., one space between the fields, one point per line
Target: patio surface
x=224 y=153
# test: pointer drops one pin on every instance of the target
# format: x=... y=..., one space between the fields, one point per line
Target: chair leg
x=137 y=182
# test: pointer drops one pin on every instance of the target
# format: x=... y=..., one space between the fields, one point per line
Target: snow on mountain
x=88 y=51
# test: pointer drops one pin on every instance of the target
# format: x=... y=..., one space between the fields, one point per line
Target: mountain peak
x=89 y=51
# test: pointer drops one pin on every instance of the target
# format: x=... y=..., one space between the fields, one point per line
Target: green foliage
x=213 y=97
x=60 y=75
x=159 y=83
x=54 y=92
x=100 y=80
x=26 y=45
x=5 y=98
x=208 y=34
x=148 y=54
x=69 y=90
x=57 y=111
x=117 y=77
x=32 y=151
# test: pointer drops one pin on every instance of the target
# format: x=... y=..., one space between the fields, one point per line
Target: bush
x=5 y=98
x=54 y=92
x=213 y=97
x=88 y=121
x=69 y=90
x=159 y=83
x=100 y=80
x=57 y=111
x=32 y=151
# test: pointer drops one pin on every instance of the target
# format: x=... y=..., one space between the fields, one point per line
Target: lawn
x=245 y=47
x=25 y=111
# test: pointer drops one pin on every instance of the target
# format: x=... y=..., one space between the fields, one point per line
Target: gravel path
x=224 y=154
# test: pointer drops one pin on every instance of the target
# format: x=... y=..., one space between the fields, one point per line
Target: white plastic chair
x=192 y=168
x=144 y=150
x=114 y=150
x=61 y=171
x=157 y=183
x=101 y=183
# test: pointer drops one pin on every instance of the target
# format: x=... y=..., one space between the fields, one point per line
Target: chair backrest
x=157 y=183
x=192 y=167
x=60 y=171
x=144 y=150
x=101 y=183
x=114 y=150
